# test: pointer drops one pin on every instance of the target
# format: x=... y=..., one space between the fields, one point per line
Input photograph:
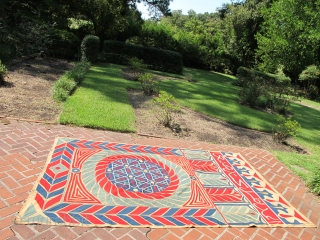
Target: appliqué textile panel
x=86 y=183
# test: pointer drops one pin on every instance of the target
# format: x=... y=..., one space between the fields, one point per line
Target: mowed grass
x=311 y=103
x=101 y=101
x=309 y=138
x=214 y=95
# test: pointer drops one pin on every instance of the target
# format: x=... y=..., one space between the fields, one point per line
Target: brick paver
x=24 y=147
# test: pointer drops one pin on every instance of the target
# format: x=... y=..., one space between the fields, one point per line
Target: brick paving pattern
x=24 y=147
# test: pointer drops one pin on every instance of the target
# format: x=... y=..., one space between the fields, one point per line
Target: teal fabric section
x=209 y=179
x=31 y=215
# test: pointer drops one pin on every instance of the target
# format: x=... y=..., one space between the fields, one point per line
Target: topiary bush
x=66 y=84
x=149 y=84
x=155 y=58
x=3 y=71
x=90 y=48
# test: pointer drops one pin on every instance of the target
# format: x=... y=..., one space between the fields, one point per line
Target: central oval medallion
x=137 y=175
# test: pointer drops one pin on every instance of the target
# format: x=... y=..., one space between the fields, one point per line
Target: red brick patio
x=24 y=147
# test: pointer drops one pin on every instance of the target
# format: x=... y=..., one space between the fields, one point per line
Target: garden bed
x=27 y=92
x=199 y=127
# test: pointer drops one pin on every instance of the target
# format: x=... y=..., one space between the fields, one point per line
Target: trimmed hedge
x=156 y=59
x=90 y=48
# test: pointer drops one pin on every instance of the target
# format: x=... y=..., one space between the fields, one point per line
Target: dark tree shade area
x=54 y=26
x=267 y=35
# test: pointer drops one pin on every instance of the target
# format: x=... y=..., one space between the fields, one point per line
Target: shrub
x=157 y=59
x=65 y=85
x=66 y=82
x=165 y=106
x=311 y=81
x=244 y=74
x=6 y=52
x=286 y=128
x=149 y=84
x=259 y=89
x=78 y=72
x=314 y=183
x=137 y=66
x=3 y=71
x=251 y=91
x=64 y=43
x=60 y=94
x=280 y=92
x=90 y=48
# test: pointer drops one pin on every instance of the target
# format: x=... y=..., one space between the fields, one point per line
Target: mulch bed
x=27 y=92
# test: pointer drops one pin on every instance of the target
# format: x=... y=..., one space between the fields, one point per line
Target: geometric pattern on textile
x=136 y=175
x=87 y=183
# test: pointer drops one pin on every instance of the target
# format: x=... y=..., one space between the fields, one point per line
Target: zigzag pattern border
x=128 y=148
x=134 y=216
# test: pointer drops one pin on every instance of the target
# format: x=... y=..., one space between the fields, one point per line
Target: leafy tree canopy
x=290 y=36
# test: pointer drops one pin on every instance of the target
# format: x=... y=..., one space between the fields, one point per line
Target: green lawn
x=311 y=103
x=214 y=95
x=101 y=101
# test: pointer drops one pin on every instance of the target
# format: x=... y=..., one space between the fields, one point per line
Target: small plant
x=314 y=183
x=60 y=94
x=165 y=106
x=3 y=71
x=137 y=66
x=286 y=128
x=189 y=77
x=149 y=84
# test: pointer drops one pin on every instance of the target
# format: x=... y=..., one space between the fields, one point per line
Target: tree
x=29 y=26
x=290 y=36
x=156 y=8
x=240 y=22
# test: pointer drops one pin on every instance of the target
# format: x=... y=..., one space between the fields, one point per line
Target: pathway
x=24 y=147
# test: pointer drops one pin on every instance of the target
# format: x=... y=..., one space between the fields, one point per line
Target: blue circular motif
x=137 y=175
